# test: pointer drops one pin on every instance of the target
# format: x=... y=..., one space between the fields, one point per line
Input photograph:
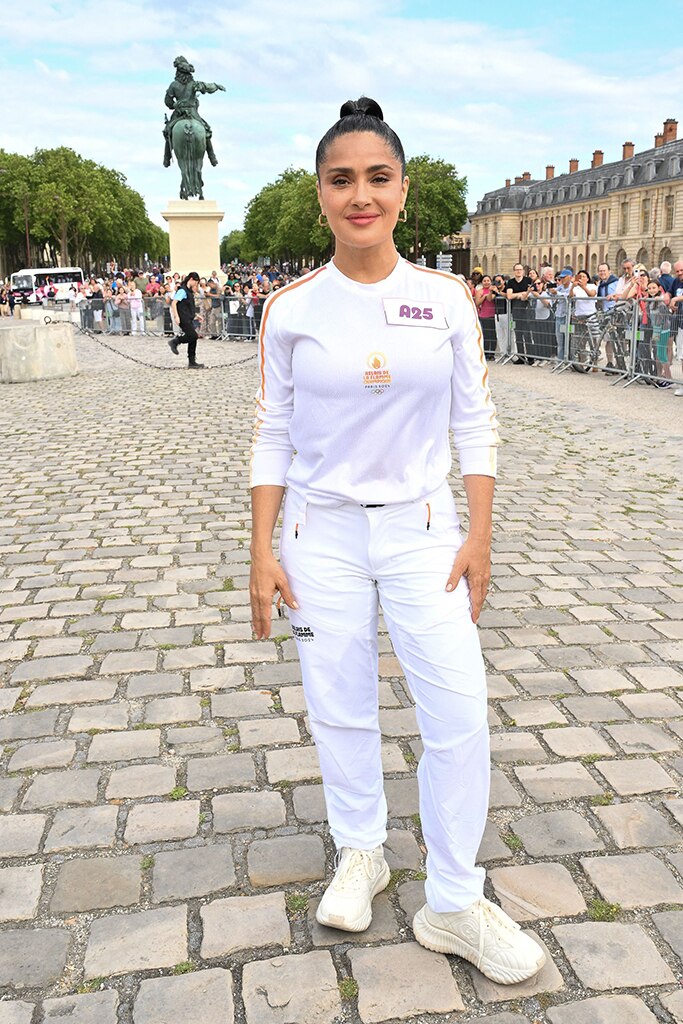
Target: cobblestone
x=20 y=892
x=96 y=884
x=244 y=922
x=197 y=871
x=136 y=942
x=58 y=789
x=292 y=988
x=402 y=981
x=89 y=1008
x=201 y=998
x=128 y=678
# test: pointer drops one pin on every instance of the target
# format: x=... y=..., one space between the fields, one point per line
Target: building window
x=603 y=225
x=583 y=226
x=624 y=218
x=486 y=234
x=536 y=230
x=645 y=209
x=576 y=225
x=669 y=206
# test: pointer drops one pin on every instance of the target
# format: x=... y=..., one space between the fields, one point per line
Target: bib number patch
x=412 y=313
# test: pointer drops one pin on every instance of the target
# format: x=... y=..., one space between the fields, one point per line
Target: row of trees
x=56 y=202
x=282 y=219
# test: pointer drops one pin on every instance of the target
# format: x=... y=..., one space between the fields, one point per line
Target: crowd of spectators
x=139 y=302
x=540 y=303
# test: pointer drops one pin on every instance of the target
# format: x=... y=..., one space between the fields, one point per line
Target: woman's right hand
x=266 y=578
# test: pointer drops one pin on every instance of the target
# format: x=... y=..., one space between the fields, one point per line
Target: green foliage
x=440 y=197
x=297 y=902
x=601 y=910
x=232 y=245
x=348 y=988
x=178 y=793
x=282 y=219
x=185 y=967
x=76 y=208
x=512 y=841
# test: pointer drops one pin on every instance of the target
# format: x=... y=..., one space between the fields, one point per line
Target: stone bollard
x=30 y=350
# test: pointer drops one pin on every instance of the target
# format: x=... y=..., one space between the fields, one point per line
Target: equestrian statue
x=186 y=133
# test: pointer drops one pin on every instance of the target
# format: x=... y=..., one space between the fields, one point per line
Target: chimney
x=627 y=152
x=526 y=176
x=597 y=158
x=518 y=180
x=573 y=165
x=507 y=183
x=670 y=130
x=549 y=172
x=659 y=140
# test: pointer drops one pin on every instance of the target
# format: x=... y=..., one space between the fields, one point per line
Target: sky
x=495 y=90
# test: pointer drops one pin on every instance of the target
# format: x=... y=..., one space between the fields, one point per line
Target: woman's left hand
x=474 y=562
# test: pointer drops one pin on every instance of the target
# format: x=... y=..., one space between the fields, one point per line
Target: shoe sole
x=441 y=941
x=363 y=922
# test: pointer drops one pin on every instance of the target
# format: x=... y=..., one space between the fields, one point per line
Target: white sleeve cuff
x=482 y=461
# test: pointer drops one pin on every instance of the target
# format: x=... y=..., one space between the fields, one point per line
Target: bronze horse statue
x=188 y=139
x=187 y=134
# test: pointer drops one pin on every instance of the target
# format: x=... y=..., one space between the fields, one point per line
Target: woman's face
x=361 y=190
x=582 y=279
x=653 y=289
x=486 y=281
x=533 y=275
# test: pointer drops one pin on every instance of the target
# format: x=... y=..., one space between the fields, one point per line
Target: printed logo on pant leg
x=303 y=633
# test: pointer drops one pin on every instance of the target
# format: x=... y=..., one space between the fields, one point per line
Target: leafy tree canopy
x=282 y=219
x=85 y=212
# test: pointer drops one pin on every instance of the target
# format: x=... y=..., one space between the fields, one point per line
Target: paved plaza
x=162 y=835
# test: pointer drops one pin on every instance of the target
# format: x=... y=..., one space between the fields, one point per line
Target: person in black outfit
x=184 y=313
x=518 y=288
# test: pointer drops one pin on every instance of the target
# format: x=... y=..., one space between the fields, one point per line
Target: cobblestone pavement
x=162 y=835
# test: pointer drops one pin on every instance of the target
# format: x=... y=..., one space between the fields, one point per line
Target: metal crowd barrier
x=633 y=340
x=223 y=318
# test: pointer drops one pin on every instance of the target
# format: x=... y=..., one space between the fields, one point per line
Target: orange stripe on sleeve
x=264 y=321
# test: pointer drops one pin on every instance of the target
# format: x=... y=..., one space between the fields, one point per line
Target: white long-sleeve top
x=361 y=382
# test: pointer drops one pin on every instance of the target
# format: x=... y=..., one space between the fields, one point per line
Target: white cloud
x=487 y=101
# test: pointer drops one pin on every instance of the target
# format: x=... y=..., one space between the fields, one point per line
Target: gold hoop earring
x=322 y=220
x=403 y=216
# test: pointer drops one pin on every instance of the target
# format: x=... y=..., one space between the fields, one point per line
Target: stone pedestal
x=35 y=351
x=193 y=235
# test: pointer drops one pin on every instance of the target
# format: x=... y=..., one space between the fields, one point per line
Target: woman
x=249 y=301
x=484 y=300
x=183 y=314
x=583 y=292
x=637 y=292
x=543 y=327
x=365 y=362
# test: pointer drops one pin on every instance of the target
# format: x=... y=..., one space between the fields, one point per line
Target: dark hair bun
x=364 y=105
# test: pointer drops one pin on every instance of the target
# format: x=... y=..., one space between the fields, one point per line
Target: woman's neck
x=367 y=266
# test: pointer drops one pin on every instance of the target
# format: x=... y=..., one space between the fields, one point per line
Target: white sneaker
x=678 y=392
x=484 y=935
x=347 y=901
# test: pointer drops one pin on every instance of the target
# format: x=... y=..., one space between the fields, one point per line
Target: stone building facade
x=632 y=207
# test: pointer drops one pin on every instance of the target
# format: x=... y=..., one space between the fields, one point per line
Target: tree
x=282 y=219
x=232 y=245
x=436 y=200
x=85 y=212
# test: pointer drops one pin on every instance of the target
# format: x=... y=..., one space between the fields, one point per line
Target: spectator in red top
x=484 y=298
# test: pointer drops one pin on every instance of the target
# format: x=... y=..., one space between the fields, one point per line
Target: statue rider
x=181 y=98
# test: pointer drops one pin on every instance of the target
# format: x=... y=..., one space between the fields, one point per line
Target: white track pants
x=339 y=561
